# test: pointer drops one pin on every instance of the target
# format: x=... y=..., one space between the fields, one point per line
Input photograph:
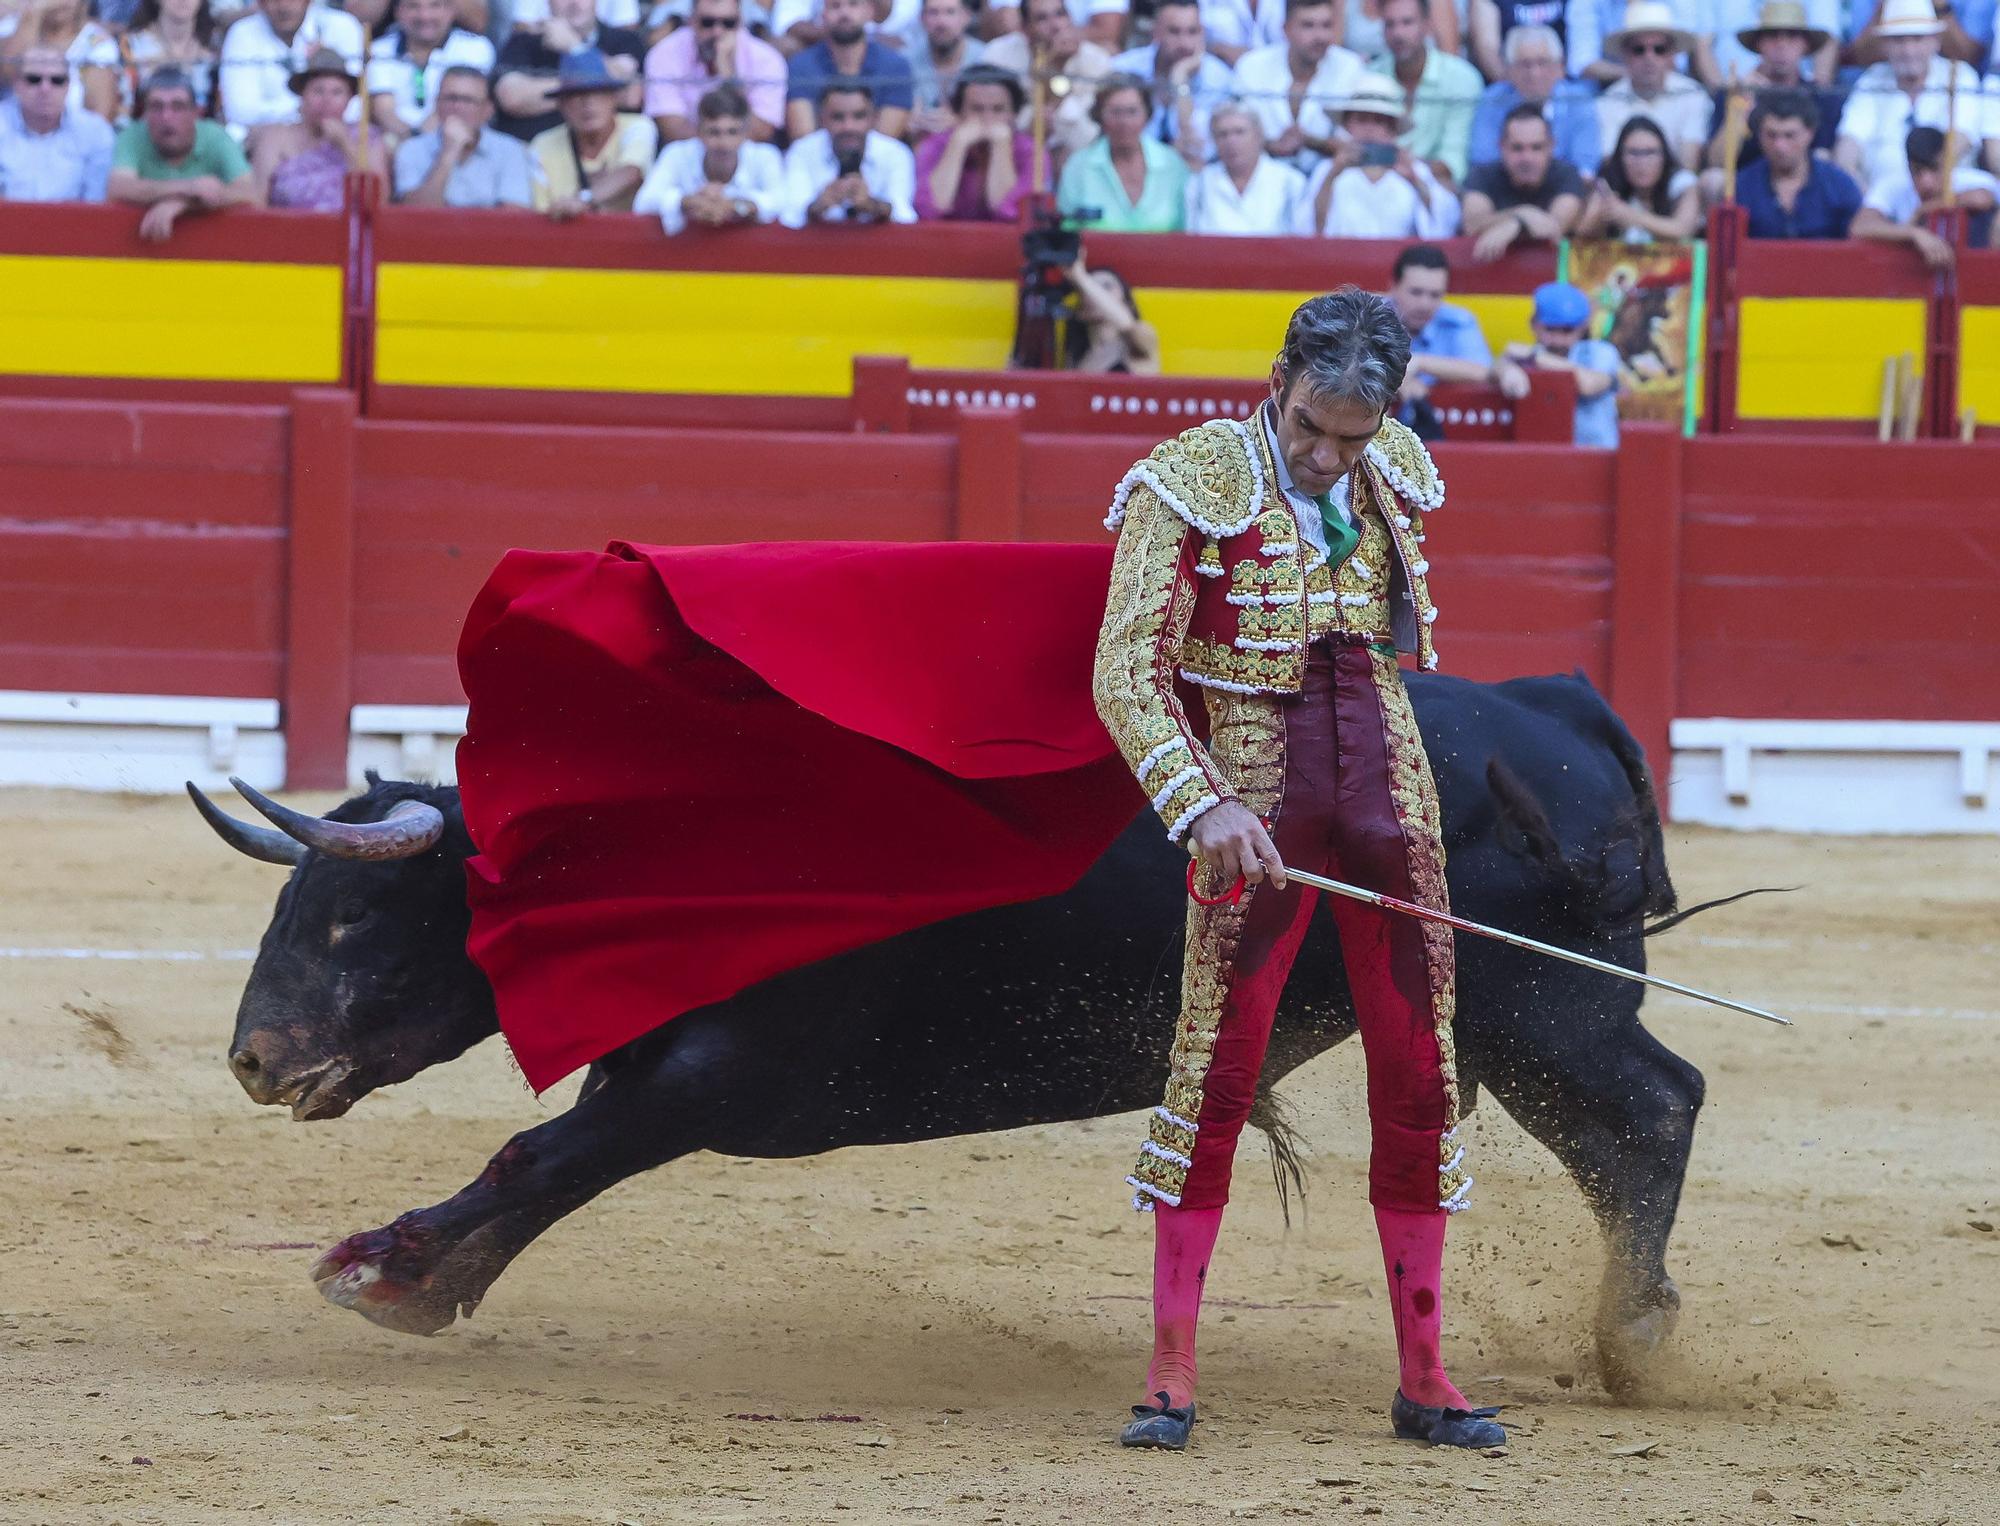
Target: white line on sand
x=171 y=955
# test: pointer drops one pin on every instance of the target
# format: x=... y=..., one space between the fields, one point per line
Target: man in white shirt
x=407 y=62
x=1101 y=22
x=1246 y=191
x=1296 y=86
x=847 y=172
x=1188 y=81
x=265 y=48
x=1236 y=26
x=1054 y=35
x=719 y=178
x=1373 y=187
x=1912 y=88
x=1647 y=44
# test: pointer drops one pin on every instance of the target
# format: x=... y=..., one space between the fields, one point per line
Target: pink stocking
x=1183 y=1239
x=1413 y=1256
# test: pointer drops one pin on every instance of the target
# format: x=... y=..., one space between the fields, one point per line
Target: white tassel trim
x=1204 y=570
x=1361 y=568
x=1174 y=1157
x=1457 y=1202
x=1354 y=600
x=1418 y=537
x=1431 y=497
x=1153 y=759
x=1420 y=569
x=1142 y=1199
x=1430 y=615
x=1187 y=816
x=1317 y=560
x=1166 y=791
x=1452 y=1164
x=1176 y=1120
x=1144 y=473
x=1225 y=683
x=1325 y=597
x=1244 y=643
x=1280 y=548
x=1403 y=523
x=1244 y=600
x=1430 y=663
x=1249 y=445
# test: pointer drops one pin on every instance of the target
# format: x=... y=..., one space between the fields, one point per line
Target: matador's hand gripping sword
x=1533 y=945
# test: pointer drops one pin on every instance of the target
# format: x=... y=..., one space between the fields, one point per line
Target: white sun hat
x=1643 y=17
x=1908 y=18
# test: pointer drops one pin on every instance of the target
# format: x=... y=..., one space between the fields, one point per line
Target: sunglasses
x=1659 y=49
x=718 y=23
x=45 y=79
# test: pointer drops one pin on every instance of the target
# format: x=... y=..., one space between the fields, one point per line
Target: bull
x=1041 y=1012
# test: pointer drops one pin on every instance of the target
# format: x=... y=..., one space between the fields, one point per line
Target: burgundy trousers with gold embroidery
x=1357 y=803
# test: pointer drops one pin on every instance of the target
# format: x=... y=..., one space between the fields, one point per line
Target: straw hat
x=1646 y=17
x=1784 y=16
x=1907 y=18
x=1376 y=96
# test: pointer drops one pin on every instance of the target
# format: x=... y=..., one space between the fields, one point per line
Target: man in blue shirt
x=1789 y=193
x=1446 y=344
x=1535 y=77
x=1560 y=320
x=849 y=53
x=49 y=150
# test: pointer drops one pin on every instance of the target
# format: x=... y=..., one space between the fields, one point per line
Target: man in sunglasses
x=714 y=48
x=1648 y=43
x=49 y=152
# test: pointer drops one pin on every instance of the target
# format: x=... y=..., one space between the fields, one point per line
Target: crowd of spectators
x=1511 y=121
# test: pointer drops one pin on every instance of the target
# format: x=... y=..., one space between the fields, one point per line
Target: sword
x=1499 y=935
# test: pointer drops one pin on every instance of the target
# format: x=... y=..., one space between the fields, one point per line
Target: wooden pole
x=1951 y=134
x=1039 y=73
x=1735 y=128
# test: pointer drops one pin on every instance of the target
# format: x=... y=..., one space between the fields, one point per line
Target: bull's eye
x=351 y=912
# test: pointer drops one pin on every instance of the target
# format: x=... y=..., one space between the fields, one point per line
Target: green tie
x=1341 y=536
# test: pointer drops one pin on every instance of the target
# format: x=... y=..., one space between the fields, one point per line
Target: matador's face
x=1320 y=437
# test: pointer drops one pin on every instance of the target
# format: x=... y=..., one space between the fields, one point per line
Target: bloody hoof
x=385 y=1276
x=1161 y=1425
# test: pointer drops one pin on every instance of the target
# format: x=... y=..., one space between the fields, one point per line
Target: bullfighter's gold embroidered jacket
x=1214 y=583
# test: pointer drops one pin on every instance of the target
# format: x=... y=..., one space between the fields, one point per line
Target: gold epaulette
x=1208 y=475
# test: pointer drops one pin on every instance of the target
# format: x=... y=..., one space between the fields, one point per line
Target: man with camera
x=847 y=172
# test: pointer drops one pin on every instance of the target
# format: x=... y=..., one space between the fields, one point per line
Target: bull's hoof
x=372 y=1274
x=1627 y=1351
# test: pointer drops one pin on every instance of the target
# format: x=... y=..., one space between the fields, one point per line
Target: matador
x=1278 y=565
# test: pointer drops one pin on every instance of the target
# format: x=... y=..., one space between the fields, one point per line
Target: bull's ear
x=370 y=777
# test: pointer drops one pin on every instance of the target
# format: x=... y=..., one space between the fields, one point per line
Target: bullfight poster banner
x=1646 y=299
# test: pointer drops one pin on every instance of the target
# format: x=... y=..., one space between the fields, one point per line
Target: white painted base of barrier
x=405 y=742
x=1883 y=777
x=144 y=743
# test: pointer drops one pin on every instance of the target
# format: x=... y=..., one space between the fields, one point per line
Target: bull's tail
x=1659 y=897
x=1273 y=1115
x=1667 y=924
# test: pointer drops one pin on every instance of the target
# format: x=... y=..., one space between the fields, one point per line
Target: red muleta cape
x=688 y=769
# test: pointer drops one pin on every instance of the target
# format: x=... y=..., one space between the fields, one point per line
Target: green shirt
x=214 y=153
x=1090 y=182
x=1441 y=117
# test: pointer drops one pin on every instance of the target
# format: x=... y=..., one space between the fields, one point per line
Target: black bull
x=1036 y=1013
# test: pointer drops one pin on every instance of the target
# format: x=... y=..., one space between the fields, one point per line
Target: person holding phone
x=847 y=172
x=1371 y=186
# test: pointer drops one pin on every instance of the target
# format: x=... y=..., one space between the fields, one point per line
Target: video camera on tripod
x=1050 y=246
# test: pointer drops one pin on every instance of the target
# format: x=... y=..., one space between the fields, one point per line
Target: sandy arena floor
x=946 y=1332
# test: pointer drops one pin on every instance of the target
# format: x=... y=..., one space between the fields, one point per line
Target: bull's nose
x=251 y=1073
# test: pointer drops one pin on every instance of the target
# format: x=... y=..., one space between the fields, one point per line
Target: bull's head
x=362 y=978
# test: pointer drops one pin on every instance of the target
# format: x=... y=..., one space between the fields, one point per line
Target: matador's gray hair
x=1348 y=344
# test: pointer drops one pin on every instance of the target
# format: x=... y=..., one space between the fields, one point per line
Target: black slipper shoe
x=1159 y=1425
x=1442 y=1427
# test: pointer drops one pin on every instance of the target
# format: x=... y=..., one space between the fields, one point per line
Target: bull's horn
x=258 y=842
x=406 y=831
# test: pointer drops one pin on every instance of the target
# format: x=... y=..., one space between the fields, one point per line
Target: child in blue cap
x=1560 y=320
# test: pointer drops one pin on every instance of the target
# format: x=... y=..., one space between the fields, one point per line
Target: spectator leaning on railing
x=1127 y=181
x=941 y=49
x=304 y=165
x=714 y=47
x=406 y=64
x=1373 y=187
x=1440 y=90
x=1913 y=88
x=980 y=169
x=173 y=164
x=1446 y=343
x=1296 y=86
x=1560 y=321
x=719 y=178
x=1246 y=191
x=1187 y=82
x=1535 y=78
x=1077 y=64
x=262 y=49
x=847 y=172
x=849 y=54
x=1897 y=205
x=1529 y=195
x=598 y=158
x=463 y=162
x=524 y=76
x=1790 y=192
x=50 y=150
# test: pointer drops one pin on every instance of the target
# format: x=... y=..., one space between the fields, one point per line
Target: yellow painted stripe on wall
x=674 y=331
x=1821 y=357
x=1979 y=362
x=176 y=320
